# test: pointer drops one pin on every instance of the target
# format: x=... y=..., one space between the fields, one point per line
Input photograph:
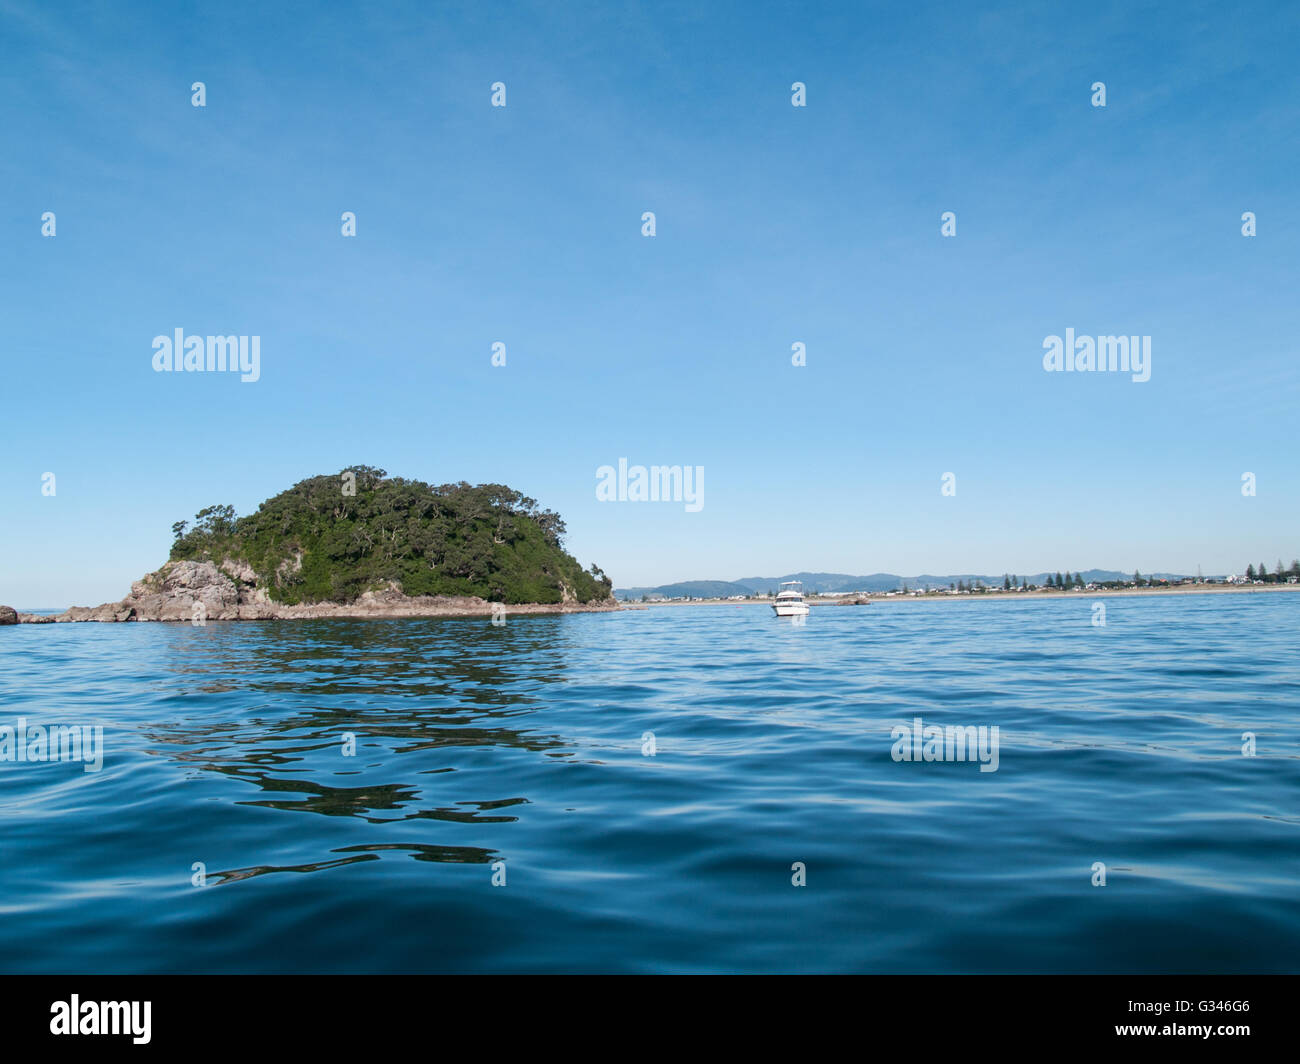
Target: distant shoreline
x=471 y=607
x=199 y=592
x=981 y=596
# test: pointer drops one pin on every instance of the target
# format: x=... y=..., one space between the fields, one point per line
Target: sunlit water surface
x=521 y=750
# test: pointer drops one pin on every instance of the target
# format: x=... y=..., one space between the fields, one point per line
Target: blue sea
x=640 y=792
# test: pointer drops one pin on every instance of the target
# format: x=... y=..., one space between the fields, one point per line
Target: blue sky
x=775 y=224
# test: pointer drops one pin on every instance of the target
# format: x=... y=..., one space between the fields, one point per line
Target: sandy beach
x=1005 y=596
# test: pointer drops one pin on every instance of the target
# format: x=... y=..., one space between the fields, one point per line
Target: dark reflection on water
x=356 y=788
x=457 y=854
x=470 y=661
x=237 y=874
x=390 y=690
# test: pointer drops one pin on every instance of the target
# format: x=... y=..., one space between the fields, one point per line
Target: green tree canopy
x=331 y=538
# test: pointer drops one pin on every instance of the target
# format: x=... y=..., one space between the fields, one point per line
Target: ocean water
x=521 y=751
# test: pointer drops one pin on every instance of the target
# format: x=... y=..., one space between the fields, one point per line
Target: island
x=360 y=544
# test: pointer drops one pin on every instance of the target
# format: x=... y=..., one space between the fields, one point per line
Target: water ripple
x=629 y=792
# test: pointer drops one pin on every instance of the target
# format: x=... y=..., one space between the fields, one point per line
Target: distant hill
x=691 y=588
x=333 y=538
x=829 y=582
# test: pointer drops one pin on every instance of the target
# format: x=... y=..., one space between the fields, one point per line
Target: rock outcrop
x=8 y=615
x=202 y=591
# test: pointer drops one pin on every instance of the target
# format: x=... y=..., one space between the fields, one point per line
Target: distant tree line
x=1279 y=575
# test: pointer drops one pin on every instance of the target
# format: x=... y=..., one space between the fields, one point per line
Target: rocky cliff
x=362 y=544
x=202 y=591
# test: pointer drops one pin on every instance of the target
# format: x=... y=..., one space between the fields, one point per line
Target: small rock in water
x=8 y=615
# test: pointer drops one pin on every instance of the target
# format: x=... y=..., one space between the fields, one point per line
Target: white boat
x=789 y=600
